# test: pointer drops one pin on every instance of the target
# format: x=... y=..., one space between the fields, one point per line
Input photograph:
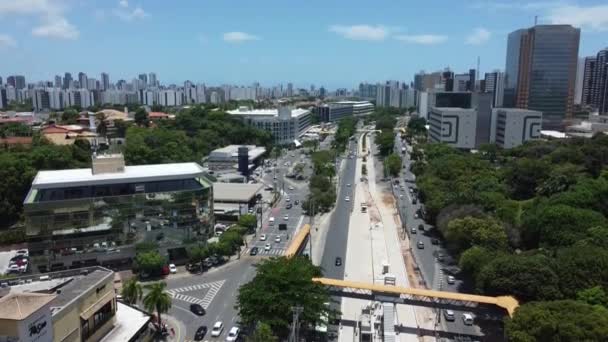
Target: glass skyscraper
x=540 y=71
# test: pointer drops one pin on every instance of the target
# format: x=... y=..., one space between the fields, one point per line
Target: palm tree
x=131 y=291
x=157 y=299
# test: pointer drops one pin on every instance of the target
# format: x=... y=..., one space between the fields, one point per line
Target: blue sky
x=331 y=43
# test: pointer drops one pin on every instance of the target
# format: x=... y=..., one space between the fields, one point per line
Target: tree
x=69 y=116
x=141 y=117
x=464 y=233
x=248 y=221
x=525 y=175
x=132 y=291
x=593 y=296
x=417 y=126
x=385 y=142
x=157 y=299
x=262 y=333
x=526 y=277
x=150 y=262
x=393 y=164
x=474 y=259
x=279 y=285
x=102 y=125
x=580 y=268
x=564 y=320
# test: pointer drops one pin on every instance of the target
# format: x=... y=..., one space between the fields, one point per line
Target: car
x=200 y=333
x=267 y=247
x=416 y=215
x=296 y=202
x=451 y=280
x=274 y=177
x=277 y=239
x=413 y=230
x=291 y=188
x=286 y=217
x=197 y=309
x=348 y=185
x=414 y=200
x=233 y=334
x=449 y=315
x=421 y=227
x=263 y=237
x=467 y=319
x=287 y=199
x=172 y=268
x=435 y=241
x=338 y=261
x=288 y=206
x=400 y=195
x=439 y=256
x=282 y=226
x=218 y=327
x=420 y=245
x=254 y=251
x=347 y=199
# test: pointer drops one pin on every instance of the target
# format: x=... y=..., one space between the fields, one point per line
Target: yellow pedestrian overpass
x=399 y=294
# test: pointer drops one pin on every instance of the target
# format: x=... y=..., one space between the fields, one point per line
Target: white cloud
x=479 y=36
x=53 y=23
x=7 y=41
x=123 y=3
x=238 y=37
x=423 y=39
x=57 y=28
x=127 y=14
x=594 y=18
x=361 y=32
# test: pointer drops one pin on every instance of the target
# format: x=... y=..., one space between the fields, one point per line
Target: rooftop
x=232 y=151
x=296 y=112
x=129 y=321
x=138 y=173
x=18 y=306
x=454 y=109
x=234 y=192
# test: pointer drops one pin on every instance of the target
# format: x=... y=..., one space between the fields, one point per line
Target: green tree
x=564 y=320
x=464 y=233
x=385 y=142
x=393 y=164
x=102 y=125
x=279 y=285
x=525 y=277
x=69 y=116
x=416 y=126
x=249 y=221
x=262 y=333
x=132 y=291
x=525 y=175
x=581 y=268
x=593 y=296
x=150 y=262
x=157 y=299
x=141 y=117
x=474 y=259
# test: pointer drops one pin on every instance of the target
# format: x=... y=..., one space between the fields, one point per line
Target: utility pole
x=295 y=325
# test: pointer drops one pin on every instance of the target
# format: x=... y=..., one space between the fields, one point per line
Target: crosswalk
x=213 y=289
x=272 y=251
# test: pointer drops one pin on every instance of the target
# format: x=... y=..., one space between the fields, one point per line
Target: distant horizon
x=316 y=42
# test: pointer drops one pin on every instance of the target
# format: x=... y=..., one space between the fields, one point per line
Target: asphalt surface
x=434 y=271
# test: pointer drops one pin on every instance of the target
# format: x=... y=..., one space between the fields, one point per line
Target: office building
x=77 y=305
x=462 y=82
x=152 y=80
x=588 y=81
x=423 y=81
x=227 y=157
x=83 y=80
x=17 y=82
x=285 y=124
x=144 y=79
x=0 y=81
x=58 y=83
x=513 y=126
x=600 y=82
x=455 y=127
x=170 y=98
x=67 y=81
x=289 y=90
x=111 y=202
x=92 y=84
x=540 y=71
x=495 y=84
x=105 y=81
x=366 y=91
x=335 y=111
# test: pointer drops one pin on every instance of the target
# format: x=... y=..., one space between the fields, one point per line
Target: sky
x=331 y=43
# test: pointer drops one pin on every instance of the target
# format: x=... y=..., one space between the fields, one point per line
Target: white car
x=451 y=280
x=263 y=237
x=267 y=247
x=291 y=188
x=218 y=327
x=347 y=199
x=172 y=268
x=348 y=185
x=287 y=199
x=286 y=217
x=277 y=239
x=233 y=334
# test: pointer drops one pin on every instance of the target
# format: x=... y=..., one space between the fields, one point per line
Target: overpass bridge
x=403 y=295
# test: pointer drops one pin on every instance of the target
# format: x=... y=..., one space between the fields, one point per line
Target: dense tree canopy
x=393 y=164
x=279 y=285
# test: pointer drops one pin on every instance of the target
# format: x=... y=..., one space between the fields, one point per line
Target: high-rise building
x=0 y=81
x=540 y=71
x=152 y=80
x=10 y=81
x=494 y=82
x=289 y=90
x=600 y=82
x=144 y=79
x=105 y=81
x=461 y=82
x=83 y=80
x=67 y=81
x=91 y=84
x=58 y=81
x=588 y=78
x=18 y=82
x=512 y=127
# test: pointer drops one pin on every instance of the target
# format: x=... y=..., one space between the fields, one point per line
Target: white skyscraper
x=105 y=81
x=200 y=94
x=152 y=80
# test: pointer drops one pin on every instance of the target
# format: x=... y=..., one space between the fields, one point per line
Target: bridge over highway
x=402 y=295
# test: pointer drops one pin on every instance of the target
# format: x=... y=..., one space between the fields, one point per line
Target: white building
x=201 y=96
x=285 y=124
x=495 y=83
x=512 y=127
x=170 y=98
x=455 y=127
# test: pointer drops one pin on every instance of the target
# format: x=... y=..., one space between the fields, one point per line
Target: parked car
x=449 y=315
x=233 y=334
x=172 y=268
x=197 y=309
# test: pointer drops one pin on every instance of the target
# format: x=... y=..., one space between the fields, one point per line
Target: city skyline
x=124 y=38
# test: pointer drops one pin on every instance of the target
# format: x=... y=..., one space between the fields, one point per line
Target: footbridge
x=403 y=295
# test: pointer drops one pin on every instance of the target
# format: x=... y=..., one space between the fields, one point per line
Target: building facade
x=455 y=127
x=514 y=126
x=285 y=124
x=540 y=71
x=114 y=203
x=495 y=83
